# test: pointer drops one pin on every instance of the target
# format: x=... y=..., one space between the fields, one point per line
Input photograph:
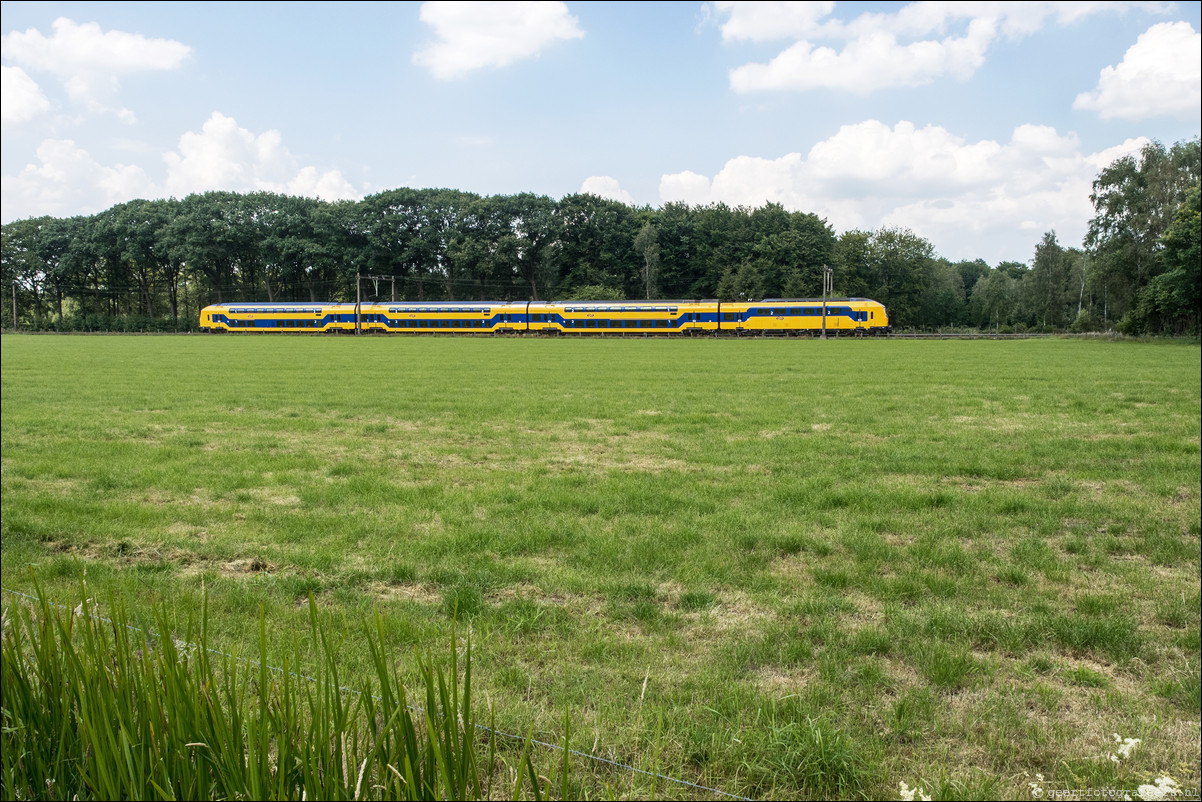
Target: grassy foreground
x=96 y=709
x=778 y=568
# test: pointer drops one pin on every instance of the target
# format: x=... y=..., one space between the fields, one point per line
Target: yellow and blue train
x=783 y=317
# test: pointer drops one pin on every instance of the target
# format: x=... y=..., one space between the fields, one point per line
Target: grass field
x=778 y=568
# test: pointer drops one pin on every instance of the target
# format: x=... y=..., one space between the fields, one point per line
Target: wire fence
x=489 y=730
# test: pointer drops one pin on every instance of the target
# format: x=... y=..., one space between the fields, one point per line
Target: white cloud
x=221 y=156
x=603 y=186
x=78 y=48
x=968 y=198
x=760 y=22
x=1160 y=75
x=868 y=63
x=476 y=35
x=20 y=98
x=69 y=181
x=89 y=62
x=224 y=156
x=774 y=21
x=930 y=158
x=687 y=187
x=918 y=44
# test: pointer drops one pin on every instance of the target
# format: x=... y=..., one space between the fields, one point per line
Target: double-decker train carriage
x=770 y=317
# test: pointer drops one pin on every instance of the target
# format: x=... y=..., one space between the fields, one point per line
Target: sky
x=977 y=125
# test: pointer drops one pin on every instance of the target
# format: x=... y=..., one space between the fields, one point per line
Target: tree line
x=152 y=264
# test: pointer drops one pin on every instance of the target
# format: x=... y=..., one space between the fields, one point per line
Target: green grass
x=780 y=568
x=96 y=709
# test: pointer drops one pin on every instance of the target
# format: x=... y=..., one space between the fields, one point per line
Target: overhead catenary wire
x=413 y=708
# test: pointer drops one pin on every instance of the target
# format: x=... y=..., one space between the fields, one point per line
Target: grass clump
x=96 y=709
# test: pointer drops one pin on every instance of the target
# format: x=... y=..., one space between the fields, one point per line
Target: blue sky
x=977 y=125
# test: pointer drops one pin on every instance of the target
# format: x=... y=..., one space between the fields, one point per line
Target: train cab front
x=882 y=327
x=210 y=318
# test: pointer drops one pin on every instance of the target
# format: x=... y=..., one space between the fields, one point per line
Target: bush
x=1083 y=323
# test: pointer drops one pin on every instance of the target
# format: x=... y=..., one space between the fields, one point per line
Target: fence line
x=413 y=708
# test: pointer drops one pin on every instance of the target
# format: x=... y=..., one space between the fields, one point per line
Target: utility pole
x=826 y=290
x=14 y=306
x=359 y=295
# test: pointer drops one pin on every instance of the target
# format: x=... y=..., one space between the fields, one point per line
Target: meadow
x=779 y=568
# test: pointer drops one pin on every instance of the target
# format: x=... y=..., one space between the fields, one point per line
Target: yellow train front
x=771 y=317
x=806 y=316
